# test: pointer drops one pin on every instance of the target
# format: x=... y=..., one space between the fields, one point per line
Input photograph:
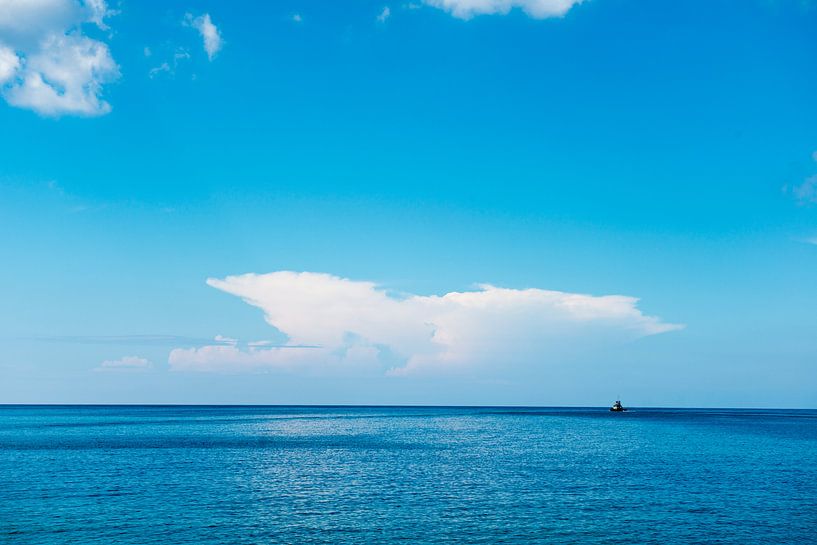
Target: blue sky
x=661 y=151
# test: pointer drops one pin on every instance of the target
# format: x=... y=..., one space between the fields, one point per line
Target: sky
x=449 y=202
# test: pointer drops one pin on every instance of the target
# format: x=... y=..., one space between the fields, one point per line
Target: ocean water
x=337 y=475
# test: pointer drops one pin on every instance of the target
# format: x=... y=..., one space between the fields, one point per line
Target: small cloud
x=209 y=33
x=221 y=339
x=411 y=5
x=164 y=67
x=125 y=363
x=385 y=14
x=147 y=51
x=297 y=18
x=538 y=9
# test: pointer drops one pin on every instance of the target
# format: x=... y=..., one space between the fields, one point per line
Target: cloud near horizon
x=334 y=323
x=47 y=64
x=538 y=9
x=125 y=363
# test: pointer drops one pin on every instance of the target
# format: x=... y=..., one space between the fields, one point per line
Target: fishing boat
x=617 y=407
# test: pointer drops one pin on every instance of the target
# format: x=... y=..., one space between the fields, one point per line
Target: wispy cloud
x=47 y=64
x=358 y=324
x=384 y=15
x=155 y=340
x=169 y=67
x=125 y=363
x=209 y=32
x=806 y=191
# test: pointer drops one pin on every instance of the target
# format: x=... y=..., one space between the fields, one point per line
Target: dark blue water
x=182 y=475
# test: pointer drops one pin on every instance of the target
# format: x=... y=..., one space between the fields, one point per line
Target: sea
x=415 y=475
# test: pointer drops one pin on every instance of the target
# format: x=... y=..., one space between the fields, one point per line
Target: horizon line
x=396 y=406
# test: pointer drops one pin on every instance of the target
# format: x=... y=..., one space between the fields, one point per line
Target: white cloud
x=385 y=14
x=538 y=9
x=65 y=76
x=47 y=64
x=297 y=18
x=209 y=33
x=125 y=363
x=353 y=323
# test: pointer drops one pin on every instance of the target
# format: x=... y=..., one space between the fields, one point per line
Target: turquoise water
x=339 y=475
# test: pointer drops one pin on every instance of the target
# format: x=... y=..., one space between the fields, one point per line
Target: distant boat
x=617 y=407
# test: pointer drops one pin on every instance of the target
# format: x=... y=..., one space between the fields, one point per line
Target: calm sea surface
x=337 y=475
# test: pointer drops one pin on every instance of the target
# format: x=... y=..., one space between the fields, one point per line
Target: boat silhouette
x=617 y=407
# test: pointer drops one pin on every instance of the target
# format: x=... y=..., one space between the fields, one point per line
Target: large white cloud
x=342 y=323
x=47 y=64
x=539 y=9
